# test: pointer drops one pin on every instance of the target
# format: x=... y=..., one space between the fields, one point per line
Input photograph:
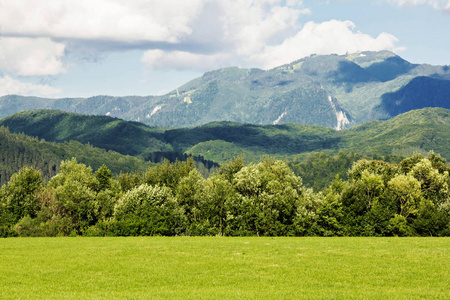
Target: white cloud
x=176 y=34
x=443 y=5
x=31 y=56
x=196 y=29
x=114 y=20
x=10 y=86
x=232 y=31
x=329 y=37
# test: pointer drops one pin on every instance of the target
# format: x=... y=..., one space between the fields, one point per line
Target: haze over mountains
x=335 y=91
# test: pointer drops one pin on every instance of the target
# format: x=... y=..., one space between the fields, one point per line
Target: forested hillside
x=410 y=198
x=19 y=150
x=417 y=131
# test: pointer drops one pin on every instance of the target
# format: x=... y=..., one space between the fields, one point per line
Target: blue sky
x=82 y=48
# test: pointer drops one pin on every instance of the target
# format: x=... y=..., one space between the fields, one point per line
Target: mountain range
x=334 y=91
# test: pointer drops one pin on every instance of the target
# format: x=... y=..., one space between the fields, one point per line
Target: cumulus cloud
x=31 y=56
x=332 y=37
x=116 y=20
x=175 y=34
x=10 y=86
x=443 y=5
x=262 y=34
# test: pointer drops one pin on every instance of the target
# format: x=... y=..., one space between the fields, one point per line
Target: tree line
x=409 y=198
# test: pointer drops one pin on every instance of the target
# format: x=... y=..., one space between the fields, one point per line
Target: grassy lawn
x=224 y=268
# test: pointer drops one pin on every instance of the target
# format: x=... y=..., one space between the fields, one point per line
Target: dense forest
x=376 y=198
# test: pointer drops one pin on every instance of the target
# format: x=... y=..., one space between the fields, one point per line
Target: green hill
x=19 y=150
x=415 y=131
x=129 y=138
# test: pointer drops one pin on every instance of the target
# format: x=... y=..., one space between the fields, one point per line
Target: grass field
x=224 y=268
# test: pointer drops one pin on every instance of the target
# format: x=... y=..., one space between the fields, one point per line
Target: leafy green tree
x=405 y=191
x=189 y=193
x=434 y=185
x=306 y=212
x=104 y=177
x=219 y=196
x=361 y=195
x=75 y=197
x=20 y=196
x=329 y=216
x=398 y=226
x=128 y=181
x=148 y=210
x=269 y=191
x=169 y=174
x=431 y=220
x=230 y=168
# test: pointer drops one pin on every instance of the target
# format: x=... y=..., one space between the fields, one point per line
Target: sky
x=83 y=48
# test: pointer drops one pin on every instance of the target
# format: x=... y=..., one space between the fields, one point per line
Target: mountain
x=335 y=91
x=417 y=131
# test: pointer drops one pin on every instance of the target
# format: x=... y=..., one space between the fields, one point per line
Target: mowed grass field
x=224 y=268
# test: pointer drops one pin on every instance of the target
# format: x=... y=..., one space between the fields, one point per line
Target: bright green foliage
x=218 y=201
x=190 y=193
x=265 y=199
x=405 y=191
x=230 y=168
x=75 y=196
x=306 y=213
x=169 y=174
x=434 y=185
x=128 y=181
x=269 y=192
x=148 y=210
x=104 y=177
x=20 y=196
x=329 y=217
x=398 y=226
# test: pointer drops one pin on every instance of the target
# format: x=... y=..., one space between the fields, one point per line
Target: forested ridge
x=377 y=198
x=19 y=150
x=417 y=131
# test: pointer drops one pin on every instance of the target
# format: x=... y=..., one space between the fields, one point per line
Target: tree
x=74 y=196
x=169 y=174
x=405 y=191
x=269 y=192
x=217 y=198
x=189 y=192
x=361 y=197
x=20 y=196
x=434 y=185
x=230 y=168
x=104 y=177
x=149 y=210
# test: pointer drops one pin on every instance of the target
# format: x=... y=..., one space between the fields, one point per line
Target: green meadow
x=224 y=268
